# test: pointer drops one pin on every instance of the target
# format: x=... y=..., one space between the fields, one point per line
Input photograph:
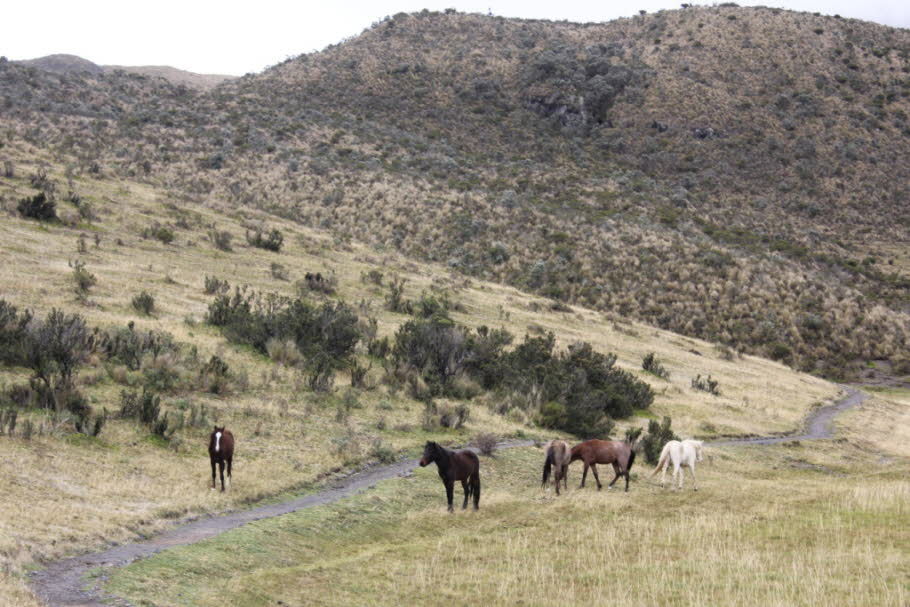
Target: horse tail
x=631 y=460
x=548 y=463
x=664 y=456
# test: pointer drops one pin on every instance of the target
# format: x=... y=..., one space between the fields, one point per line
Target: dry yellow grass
x=882 y=423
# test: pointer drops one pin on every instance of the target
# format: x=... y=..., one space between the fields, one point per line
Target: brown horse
x=454 y=466
x=221 y=451
x=593 y=452
x=557 y=458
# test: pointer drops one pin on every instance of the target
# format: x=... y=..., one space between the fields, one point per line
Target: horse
x=557 y=458
x=454 y=466
x=221 y=451
x=681 y=453
x=593 y=452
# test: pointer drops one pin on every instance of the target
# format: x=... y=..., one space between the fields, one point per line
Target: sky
x=234 y=38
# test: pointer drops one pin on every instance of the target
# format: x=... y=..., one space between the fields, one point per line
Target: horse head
x=430 y=451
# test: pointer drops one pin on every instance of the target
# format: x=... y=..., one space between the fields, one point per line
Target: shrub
x=145 y=407
x=83 y=279
x=161 y=372
x=373 y=276
x=54 y=349
x=658 y=435
x=39 y=207
x=159 y=232
x=320 y=373
x=705 y=384
x=650 y=364
x=359 y=375
x=90 y=425
x=318 y=283
x=214 y=376
x=13 y=333
x=382 y=452
x=453 y=416
x=128 y=346
x=221 y=239
x=249 y=318
x=8 y=419
x=395 y=301
x=278 y=271
x=436 y=347
x=216 y=286
x=271 y=242
x=144 y=303
x=486 y=443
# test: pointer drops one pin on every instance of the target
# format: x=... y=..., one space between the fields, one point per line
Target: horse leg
x=230 y=480
x=617 y=473
x=557 y=477
x=212 y=459
x=450 y=489
x=565 y=477
x=677 y=472
x=221 y=472
x=596 y=478
x=467 y=493
x=694 y=480
x=584 y=475
x=475 y=487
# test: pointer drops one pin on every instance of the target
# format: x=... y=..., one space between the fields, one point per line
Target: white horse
x=682 y=453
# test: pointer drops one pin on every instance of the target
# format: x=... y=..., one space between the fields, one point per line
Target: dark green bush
x=38 y=207
x=271 y=241
x=658 y=435
x=254 y=319
x=650 y=364
x=144 y=303
x=159 y=232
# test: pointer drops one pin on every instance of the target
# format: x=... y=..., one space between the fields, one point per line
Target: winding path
x=62 y=583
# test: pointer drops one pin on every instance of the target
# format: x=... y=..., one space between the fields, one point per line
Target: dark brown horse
x=593 y=452
x=557 y=458
x=221 y=452
x=454 y=466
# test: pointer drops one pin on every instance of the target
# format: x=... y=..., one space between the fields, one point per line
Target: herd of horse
x=464 y=465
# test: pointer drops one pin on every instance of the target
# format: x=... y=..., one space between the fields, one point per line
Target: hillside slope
x=734 y=174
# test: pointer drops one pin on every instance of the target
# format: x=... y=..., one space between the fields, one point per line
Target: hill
x=72 y=64
x=728 y=173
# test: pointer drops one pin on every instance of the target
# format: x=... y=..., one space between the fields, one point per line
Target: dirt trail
x=818 y=424
x=62 y=583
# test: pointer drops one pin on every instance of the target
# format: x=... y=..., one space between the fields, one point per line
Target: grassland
x=788 y=525
x=63 y=492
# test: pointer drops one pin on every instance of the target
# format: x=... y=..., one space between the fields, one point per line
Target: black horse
x=454 y=466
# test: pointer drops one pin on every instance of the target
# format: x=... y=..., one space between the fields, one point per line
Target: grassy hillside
x=71 y=491
x=728 y=173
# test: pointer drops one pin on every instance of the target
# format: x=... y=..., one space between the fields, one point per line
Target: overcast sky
x=228 y=37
